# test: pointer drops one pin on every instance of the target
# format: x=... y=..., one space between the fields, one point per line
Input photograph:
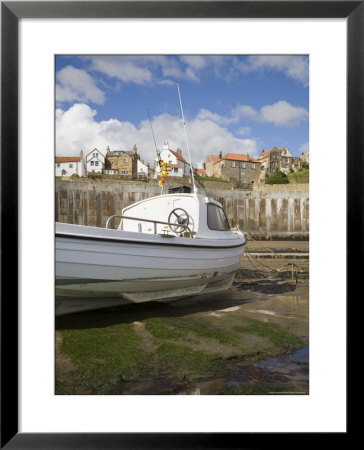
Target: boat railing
x=184 y=228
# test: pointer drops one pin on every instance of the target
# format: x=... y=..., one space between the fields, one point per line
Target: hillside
x=299 y=177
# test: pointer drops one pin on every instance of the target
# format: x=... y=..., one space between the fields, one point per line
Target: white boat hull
x=109 y=267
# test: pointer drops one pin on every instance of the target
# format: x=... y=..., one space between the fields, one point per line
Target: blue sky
x=233 y=104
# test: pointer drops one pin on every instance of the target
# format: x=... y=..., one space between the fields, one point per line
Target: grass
x=299 y=177
x=283 y=341
x=187 y=362
x=180 y=328
x=104 y=356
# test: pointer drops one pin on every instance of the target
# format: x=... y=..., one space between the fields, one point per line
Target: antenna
x=160 y=163
x=150 y=123
x=188 y=148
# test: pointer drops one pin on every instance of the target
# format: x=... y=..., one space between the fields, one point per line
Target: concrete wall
x=270 y=212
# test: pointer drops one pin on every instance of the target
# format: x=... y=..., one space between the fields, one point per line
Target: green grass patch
x=209 y=178
x=172 y=328
x=183 y=360
x=299 y=177
x=285 y=342
x=106 y=356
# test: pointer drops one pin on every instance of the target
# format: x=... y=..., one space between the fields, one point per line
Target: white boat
x=165 y=248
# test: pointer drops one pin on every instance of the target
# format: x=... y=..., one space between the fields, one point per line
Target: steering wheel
x=180 y=219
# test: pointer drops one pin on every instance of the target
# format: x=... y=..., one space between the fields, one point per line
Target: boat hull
x=109 y=267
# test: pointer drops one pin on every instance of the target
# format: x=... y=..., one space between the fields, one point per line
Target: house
x=209 y=164
x=95 y=161
x=305 y=159
x=176 y=164
x=142 y=169
x=66 y=166
x=243 y=169
x=200 y=172
x=278 y=159
x=122 y=162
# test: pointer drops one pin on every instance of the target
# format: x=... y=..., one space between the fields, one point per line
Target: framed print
x=34 y=34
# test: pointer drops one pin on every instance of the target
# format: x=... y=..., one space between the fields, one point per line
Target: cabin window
x=232 y=163
x=216 y=218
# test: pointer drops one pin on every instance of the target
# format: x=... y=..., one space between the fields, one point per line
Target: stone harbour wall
x=278 y=211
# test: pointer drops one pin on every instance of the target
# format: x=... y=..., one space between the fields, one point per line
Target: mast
x=188 y=148
x=156 y=149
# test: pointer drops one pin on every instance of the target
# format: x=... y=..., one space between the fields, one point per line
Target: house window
x=124 y=172
x=232 y=163
x=125 y=160
x=175 y=170
x=92 y=163
x=70 y=166
x=222 y=165
x=242 y=173
x=242 y=165
x=96 y=163
x=58 y=165
x=253 y=166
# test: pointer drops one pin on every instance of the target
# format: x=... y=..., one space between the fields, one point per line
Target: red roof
x=174 y=165
x=237 y=157
x=65 y=159
x=266 y=153
x=178 y=156
x=214 y=158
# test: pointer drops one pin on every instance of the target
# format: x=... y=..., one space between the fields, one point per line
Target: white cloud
x=245 y=111
x=294 y=66
x=283 y=114
x=125 y=69
x=304 y=148
x=77 y=85
x=77 y=128
x=244 y=131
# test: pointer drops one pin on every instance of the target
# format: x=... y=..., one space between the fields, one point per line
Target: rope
x=275 y=254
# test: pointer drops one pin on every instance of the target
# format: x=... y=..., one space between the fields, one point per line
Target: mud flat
x=251 y=339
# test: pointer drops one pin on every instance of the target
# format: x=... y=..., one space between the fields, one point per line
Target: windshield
x=216 y=218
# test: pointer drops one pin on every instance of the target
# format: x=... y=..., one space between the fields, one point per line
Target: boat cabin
x=184 y=215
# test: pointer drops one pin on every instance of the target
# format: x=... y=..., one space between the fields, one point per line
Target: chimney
x=135 y=149
x=204 y=166
x=179 y=151
x=220 y=154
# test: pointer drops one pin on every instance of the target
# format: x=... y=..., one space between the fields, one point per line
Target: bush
x=277 y=178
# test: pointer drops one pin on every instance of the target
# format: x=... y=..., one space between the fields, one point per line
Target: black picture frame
x=11 y=12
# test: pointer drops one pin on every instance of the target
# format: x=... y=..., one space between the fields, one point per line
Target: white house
x=95 y=161
x=142 y=169
x=176 y=164
x=66 y=166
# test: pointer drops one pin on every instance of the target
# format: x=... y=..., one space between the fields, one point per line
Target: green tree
x=277 y=178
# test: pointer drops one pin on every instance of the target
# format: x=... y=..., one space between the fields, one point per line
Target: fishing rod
x=188 y=148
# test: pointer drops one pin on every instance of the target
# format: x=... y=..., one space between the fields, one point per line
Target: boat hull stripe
x=129 y=241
